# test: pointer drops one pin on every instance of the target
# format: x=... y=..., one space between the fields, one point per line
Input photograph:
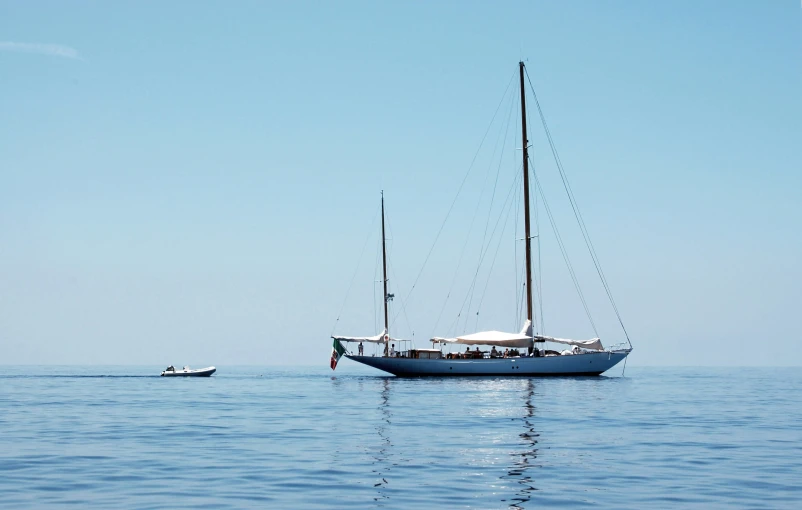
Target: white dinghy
x=188 y=372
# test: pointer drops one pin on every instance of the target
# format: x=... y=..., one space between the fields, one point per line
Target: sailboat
x=585 y=358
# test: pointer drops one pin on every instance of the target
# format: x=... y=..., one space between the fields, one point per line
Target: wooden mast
x=384 y=268
x=526 y=199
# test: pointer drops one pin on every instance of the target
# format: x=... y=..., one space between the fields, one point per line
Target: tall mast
x=526 y=198
x=384 y=268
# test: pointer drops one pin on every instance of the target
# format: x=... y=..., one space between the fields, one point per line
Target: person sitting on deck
x=506 y=352
x=493 y=352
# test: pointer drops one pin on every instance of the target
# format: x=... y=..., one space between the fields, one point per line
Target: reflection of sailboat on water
x=523 y=460
x=381 y=465
x=587 y=357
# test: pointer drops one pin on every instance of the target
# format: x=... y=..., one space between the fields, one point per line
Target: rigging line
x=532 y=203
x=538 y=299
x=375 y=275
x=519 y=228
x=522 y=308
x=539 y=271
x=359 y=262
x=459 y=190
x=454 y=279
x=470 y=229
x=453 y=327
x=492 y=264
x=498 y=170
x=577 y=213
x=535 y=303
x=392 y=270
x=539 y=283
x=520 y=311
x=472 y=288
x=492 y=201
x=515 y=230
x=484 y=251
x=406 y=317
x=515 y=268
x=564 y=253
x=492 y=235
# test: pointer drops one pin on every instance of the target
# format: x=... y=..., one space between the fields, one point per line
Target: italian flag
x=337 y=350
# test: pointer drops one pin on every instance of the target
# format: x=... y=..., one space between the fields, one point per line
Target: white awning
x=498 y=338
x=522 y=339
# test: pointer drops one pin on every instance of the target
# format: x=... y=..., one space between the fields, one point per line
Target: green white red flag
x=336 y=352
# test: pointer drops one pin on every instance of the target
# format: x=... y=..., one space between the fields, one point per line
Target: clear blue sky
x=186 y=182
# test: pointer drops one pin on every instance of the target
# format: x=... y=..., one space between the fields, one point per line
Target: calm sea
x=267 y=437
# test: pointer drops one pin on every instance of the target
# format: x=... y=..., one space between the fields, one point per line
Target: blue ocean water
x=268 y=437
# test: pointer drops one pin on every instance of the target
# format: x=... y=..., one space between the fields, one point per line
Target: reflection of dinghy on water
x=188 y=372
x=583 y=357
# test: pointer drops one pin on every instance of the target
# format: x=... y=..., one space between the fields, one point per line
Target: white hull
x=593 y=363
x=200 y=372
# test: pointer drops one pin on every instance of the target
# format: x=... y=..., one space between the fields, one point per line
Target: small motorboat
x=188 y=372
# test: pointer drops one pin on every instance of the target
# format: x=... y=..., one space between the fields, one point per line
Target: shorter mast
x=384 y=268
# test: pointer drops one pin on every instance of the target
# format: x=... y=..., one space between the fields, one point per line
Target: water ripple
x=255 y=437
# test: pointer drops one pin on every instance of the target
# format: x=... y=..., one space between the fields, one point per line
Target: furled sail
x=594 y=344
x=378 y=339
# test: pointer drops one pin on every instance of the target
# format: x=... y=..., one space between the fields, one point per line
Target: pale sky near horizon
x=193 y=182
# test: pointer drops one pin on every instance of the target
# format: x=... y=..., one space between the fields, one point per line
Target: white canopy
x=522 y=339
x=498 y=338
